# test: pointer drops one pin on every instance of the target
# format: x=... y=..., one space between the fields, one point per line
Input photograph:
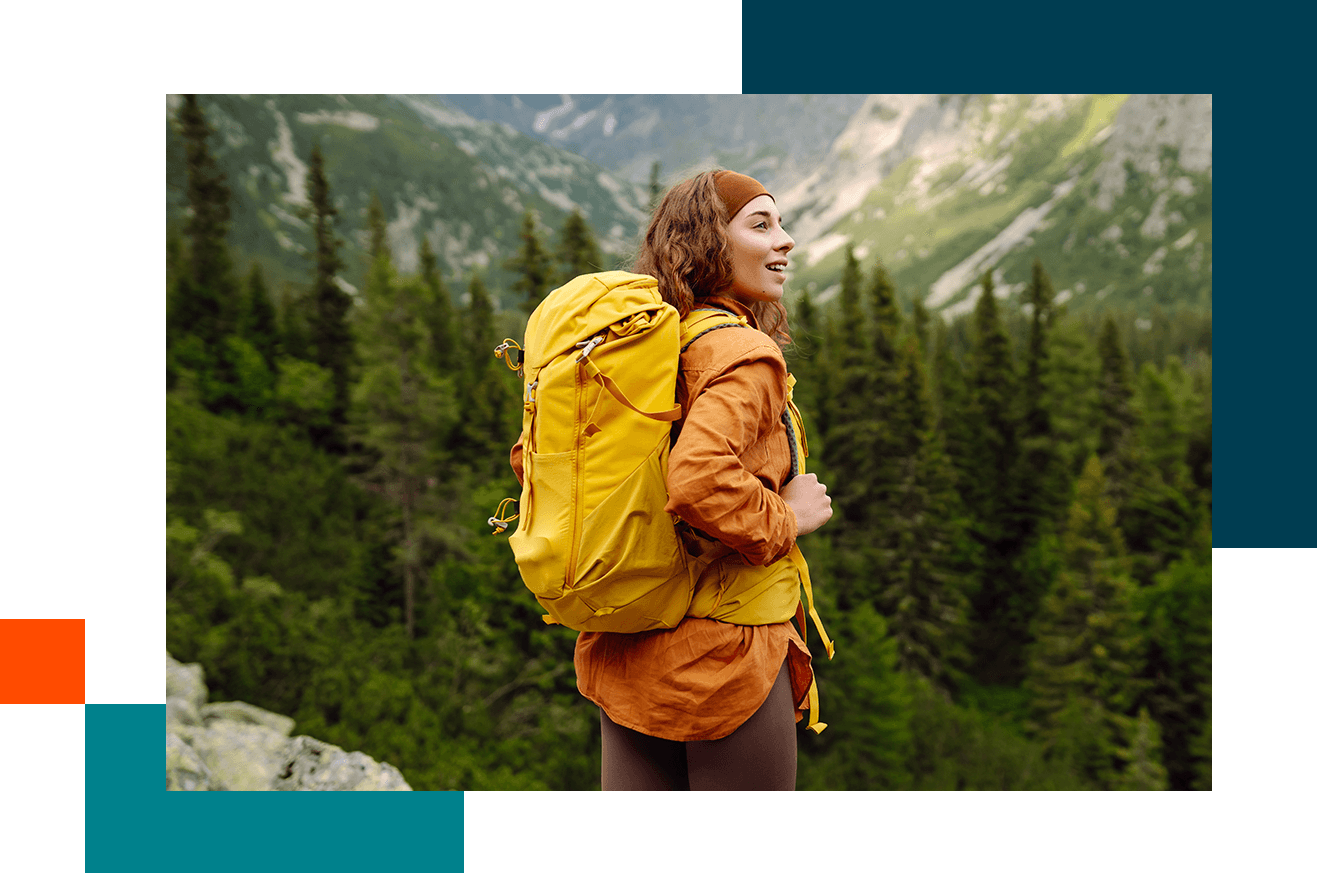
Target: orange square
x=43 y=660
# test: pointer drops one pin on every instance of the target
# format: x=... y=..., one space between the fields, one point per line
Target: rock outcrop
x=234 y=746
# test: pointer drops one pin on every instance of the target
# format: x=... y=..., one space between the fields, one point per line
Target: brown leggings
x=760 y=755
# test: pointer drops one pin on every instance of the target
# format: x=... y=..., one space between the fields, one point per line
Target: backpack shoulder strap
x=702 y=321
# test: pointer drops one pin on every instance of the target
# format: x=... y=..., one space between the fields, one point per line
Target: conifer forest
x=1017 y=575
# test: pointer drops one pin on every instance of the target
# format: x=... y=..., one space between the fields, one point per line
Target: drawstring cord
x=502 y=352
x=499 y=520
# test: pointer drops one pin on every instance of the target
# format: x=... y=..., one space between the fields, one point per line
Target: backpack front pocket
x=546 y=522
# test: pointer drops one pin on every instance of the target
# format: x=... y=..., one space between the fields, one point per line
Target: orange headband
x=736 y=190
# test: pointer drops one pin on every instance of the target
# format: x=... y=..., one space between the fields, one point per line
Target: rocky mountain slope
x=460 y=182
x=1112 y=193
x=778 y=138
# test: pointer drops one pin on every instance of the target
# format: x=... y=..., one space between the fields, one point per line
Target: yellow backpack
x=594 y=543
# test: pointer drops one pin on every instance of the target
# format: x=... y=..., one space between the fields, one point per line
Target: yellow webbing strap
x=667 y=415
x=814 y=724
x=697 y=318
x=798 y=431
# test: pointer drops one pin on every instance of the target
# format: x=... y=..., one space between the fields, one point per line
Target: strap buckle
x=588 y=346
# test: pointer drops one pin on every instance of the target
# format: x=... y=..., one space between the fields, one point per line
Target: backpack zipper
x=578 y=474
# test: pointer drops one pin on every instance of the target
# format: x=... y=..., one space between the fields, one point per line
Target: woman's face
x=759 y=249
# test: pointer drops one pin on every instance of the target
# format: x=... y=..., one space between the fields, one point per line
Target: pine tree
x=992 y=382
x=1082 y=669
x=378 y=227
x=897 y=546
x=1143 y=770
x=951 y=399
x=439 y=313
x=655 y=188
x=1200 y=431
x=295 y=324
x=174 y=269
x=948 y=409
x=850 y=325
x=578 y=253
x=805 y=358
x=886 y=314
x=259 y=324
x=909 y=497
x=330 y=334
x=852 y=441
x=400 y=405
x=924 y=597
x=921 y=320
x=1033 y=509
x=1117 y=415
x=175 y=261
x=1164 y=397
x=1159 y=513
x=1201 y=747
x=867 y=692
x=849 y=376
x=236 y=374
x=486 y=392
x=1041 y=492
x=531 y=265
x=205 y=305
x=1176 y=628
x=1070 y=384
x=986 y=485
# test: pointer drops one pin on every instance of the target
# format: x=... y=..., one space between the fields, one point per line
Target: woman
x=711 y=703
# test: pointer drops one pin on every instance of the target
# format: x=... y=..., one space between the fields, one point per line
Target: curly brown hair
x=686 y=249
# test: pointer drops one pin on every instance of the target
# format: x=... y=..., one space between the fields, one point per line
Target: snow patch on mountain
x=286 y=159
x=545 y=119
x=824 y=246
x=354 y=120
x=440 y=114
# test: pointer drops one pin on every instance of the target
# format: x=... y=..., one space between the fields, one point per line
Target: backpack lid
x=582 y=308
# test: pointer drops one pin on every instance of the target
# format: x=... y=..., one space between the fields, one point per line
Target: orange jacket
x=733 y=454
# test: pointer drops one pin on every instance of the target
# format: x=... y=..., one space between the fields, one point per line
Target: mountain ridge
x=1111 y=192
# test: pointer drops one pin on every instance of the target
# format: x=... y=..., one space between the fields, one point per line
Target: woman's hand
x=809 y=500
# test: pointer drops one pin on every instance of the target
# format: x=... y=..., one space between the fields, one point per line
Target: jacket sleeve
x=709 y=485
x=515 y=457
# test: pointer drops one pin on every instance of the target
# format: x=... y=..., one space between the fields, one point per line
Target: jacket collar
x=733 y=306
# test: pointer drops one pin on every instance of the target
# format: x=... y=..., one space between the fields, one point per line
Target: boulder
x=187 y=681
x=315 y=766
x=234 y=746
x=184 y=769
x=245 y=713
